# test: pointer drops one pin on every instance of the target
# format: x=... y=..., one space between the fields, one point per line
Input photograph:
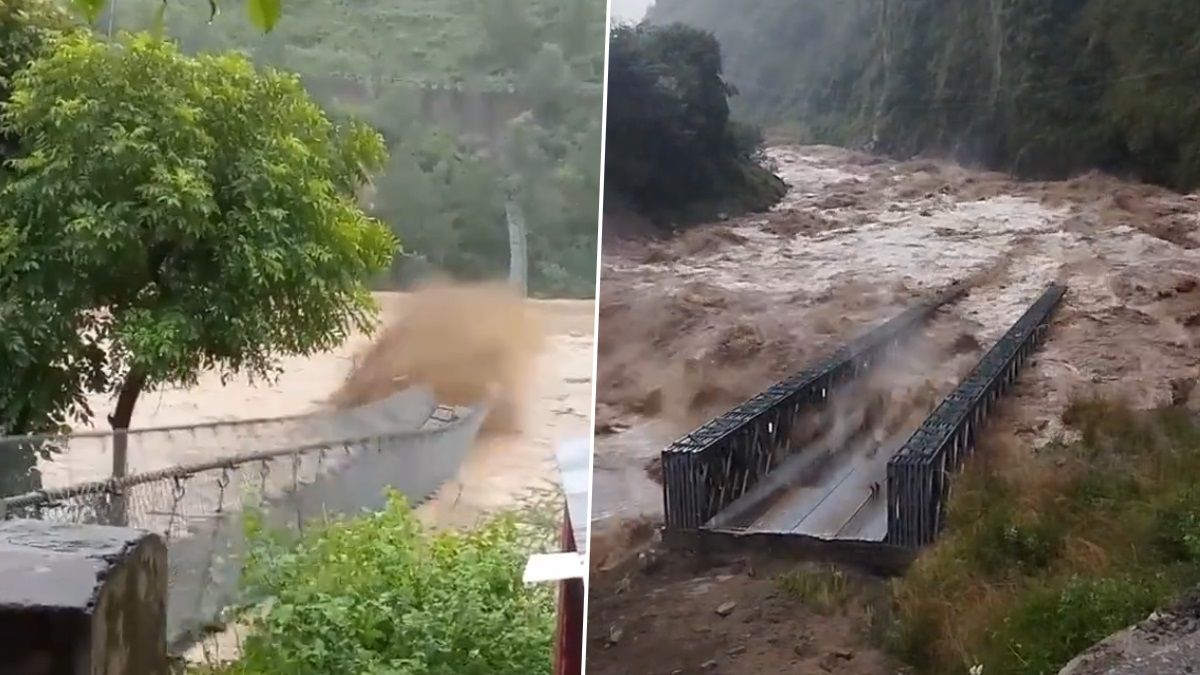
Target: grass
x=824 y=588
x=1047 y=554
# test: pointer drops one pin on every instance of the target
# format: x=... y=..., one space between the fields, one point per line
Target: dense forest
x=1040 y=87
x=673 y=153
x=443 y=192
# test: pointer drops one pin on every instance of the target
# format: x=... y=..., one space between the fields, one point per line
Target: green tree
x=509 y=31
x=672 y=148
x=264 y=14
x=447 y=204
x=168 y=215
x=26 y=27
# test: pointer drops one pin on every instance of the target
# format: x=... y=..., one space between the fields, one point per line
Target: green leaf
x=264 y=13
x=90 y=8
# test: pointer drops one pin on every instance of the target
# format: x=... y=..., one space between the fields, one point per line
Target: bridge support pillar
x=81 y=600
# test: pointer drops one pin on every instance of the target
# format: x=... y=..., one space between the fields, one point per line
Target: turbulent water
x=502 y=468
x=693 y=326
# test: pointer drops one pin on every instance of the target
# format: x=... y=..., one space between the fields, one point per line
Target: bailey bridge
x=743 y=480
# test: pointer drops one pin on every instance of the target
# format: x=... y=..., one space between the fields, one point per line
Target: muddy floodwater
x=693 y=325
x=500 y=469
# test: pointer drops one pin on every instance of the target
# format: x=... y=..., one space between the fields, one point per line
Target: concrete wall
x=81 y=600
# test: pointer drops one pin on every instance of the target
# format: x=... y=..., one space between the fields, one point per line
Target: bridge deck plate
x=822 y=494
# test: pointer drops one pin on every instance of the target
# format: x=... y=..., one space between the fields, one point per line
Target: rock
x=709 y=665
x=82 y=598
x=615 y=633
x=609 y=427
x=1186 y=285
x=649 y=562
x=1181 y=390
x=725 y=609
x=737 y=651
x=624 y=585
x=832 y=661
x=1165 y=643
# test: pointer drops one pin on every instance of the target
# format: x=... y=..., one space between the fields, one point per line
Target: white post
x=518 y=258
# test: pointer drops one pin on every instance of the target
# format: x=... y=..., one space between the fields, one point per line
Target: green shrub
x=1177 y=527
x=379 y=594
x=1051 y=624
x=1004 y=542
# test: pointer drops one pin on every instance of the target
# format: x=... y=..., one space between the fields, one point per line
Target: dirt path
x=739 y=617
x=693 y=325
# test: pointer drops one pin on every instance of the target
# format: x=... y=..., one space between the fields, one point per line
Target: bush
x=1050 y=625
x=379 y=595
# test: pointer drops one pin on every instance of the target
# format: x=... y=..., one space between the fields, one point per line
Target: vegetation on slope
x=1044 y=557
x=442 y=194
x=672 y=150
x=1040 y=88
x=378 y=44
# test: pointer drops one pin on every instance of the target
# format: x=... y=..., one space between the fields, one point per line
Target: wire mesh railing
x=196 y=485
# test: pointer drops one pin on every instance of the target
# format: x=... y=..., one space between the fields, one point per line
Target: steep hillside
x=387 y=42
x=538 y=62
x=1043 y=88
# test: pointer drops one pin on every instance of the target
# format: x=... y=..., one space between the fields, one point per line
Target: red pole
x=568 y=653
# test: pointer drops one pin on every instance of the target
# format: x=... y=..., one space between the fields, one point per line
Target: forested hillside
x=1041 y=87
x=443 y=194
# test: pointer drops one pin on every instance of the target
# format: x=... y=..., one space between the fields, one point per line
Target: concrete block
x=81 y=600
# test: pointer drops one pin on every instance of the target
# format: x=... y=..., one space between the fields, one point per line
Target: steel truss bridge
x=744 y=480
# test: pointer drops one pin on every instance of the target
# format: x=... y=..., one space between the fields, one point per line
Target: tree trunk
x=119 y=421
